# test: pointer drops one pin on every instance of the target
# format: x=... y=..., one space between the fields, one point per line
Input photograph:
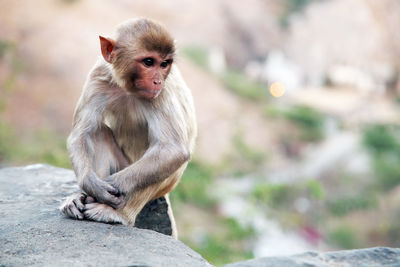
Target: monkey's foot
x=102 y=213
x=73 y=206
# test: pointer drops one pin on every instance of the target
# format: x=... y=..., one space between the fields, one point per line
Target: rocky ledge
x=34 y=232
x=371 y=257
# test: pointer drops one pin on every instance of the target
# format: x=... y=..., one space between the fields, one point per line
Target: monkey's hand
x=116 y=182
x=103 y=192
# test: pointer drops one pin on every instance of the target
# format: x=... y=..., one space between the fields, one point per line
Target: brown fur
x=125 y=148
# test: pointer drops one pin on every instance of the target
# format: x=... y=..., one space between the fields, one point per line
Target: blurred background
x=297 y=104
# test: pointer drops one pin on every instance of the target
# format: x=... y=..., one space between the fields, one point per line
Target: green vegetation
x=193 y=186
x=8 y=148
x=49 y=147
x=308 y=120
x=380 y=139
x=343 y=237
x=392 y=231
x=41 y=146
x=242 y=86
x=234 y=80
x=9 y=55
x=220 y=247
x=37 y=146
x=247 y=152
x=315 y=189
x=387 y=169
x=345 y=205
x=197 y=54
x=296 y=5
x=227 y=245
x=274 y=195
x=283 y=195
x=237 y=232
x=292 y=6
x=244 y=158
x=4 y=48
x=383 y=144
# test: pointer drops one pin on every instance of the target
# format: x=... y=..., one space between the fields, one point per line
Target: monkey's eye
x=165 y=63
x=148 y=61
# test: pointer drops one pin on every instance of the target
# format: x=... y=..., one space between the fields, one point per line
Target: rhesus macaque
x=133 y=128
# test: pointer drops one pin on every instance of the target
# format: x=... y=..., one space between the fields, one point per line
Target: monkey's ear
x=107 y=46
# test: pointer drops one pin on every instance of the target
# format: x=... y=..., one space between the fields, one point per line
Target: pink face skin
x=152 y=69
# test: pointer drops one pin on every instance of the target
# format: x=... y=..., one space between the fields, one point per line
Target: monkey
x=134 y=126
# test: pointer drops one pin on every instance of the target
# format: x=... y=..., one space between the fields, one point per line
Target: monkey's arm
x=158 y=163
x=167 y=152
x=81 y=146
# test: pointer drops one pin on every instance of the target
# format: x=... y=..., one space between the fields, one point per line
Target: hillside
x=271 y=176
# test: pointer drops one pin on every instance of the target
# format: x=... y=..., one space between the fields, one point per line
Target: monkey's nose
x=156 y=82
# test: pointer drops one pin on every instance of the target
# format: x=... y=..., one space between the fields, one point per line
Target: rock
x=34 y=232
x=378 y=256
x=154 y=216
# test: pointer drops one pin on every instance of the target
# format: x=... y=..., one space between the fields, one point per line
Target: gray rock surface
x=34 y=232
x=154 y=216
x=378 y=256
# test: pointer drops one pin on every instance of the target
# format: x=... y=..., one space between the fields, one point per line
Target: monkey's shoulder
x=100 y=71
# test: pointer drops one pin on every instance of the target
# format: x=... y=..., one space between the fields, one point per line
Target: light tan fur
x=139 y=147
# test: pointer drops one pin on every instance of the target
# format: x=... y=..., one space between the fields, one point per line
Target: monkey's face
x=149 y=74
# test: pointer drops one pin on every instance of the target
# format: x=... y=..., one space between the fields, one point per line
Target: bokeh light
x=277 y=89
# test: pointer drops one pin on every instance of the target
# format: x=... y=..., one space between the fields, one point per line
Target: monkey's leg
x=171 y=218
x=108 y=159
x=139 y=198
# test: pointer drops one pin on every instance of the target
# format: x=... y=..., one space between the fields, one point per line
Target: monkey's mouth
x=150 y=94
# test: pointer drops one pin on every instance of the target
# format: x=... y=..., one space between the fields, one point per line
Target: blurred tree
x=292 y=6
x=382 y=142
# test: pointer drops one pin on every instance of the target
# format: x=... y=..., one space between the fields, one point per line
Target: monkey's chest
x=130 y=135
